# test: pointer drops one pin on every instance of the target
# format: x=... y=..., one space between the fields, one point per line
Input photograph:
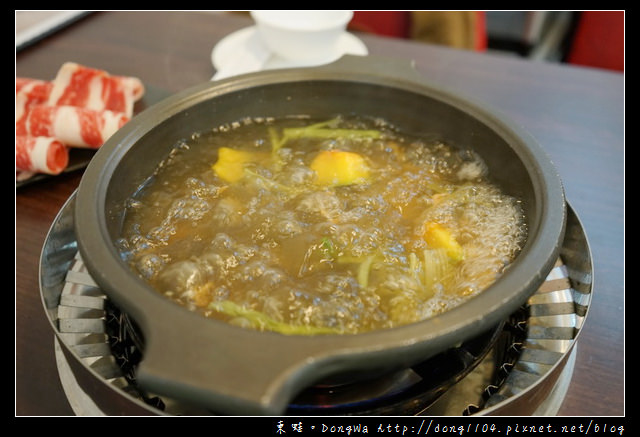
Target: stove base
x=450 y=404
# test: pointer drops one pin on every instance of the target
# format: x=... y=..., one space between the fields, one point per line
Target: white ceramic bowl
x=302 y=35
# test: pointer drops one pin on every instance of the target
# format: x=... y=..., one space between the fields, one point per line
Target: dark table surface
x=576 y=113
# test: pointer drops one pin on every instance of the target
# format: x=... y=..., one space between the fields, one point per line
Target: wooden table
x=577 y=114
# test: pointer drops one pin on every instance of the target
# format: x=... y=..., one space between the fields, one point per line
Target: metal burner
x=509 y=370
x=408 y=392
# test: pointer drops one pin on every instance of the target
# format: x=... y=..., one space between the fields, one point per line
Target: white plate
x=243 y=52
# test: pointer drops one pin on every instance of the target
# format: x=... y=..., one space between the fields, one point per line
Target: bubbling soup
x=309 y=227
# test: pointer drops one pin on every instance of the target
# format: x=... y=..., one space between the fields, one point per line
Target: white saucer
x=243 y=52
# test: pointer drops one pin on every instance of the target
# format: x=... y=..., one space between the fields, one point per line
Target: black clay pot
x=232 y=370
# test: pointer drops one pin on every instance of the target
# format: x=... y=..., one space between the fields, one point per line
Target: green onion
x=363 y=271
x=414 y=265
x=352 y=134
x=436 y=264
x=262 y=321
x=276 y=143
x=318 y=130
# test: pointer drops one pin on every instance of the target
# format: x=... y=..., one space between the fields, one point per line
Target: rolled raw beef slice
x=40 y=155
x=75 y=127
x=38 y=87
x=24 y=175
x=135 y=84
x=78 y=85
x=30 y=92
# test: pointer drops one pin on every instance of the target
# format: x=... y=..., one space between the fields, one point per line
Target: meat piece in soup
x=320 y=227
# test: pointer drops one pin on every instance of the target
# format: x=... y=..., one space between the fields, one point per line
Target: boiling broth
x=320 y=226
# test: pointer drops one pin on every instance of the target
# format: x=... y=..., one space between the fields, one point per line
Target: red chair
x=598 y=40
x=482 y=37
x=386 y=23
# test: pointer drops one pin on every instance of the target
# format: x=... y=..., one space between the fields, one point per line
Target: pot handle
x=225 y=369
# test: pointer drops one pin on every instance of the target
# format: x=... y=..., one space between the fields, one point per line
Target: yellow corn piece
x=337 y=167
x=439 y=237
x=230 y=164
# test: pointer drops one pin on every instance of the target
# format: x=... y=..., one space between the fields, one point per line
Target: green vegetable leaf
x=328 y=247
